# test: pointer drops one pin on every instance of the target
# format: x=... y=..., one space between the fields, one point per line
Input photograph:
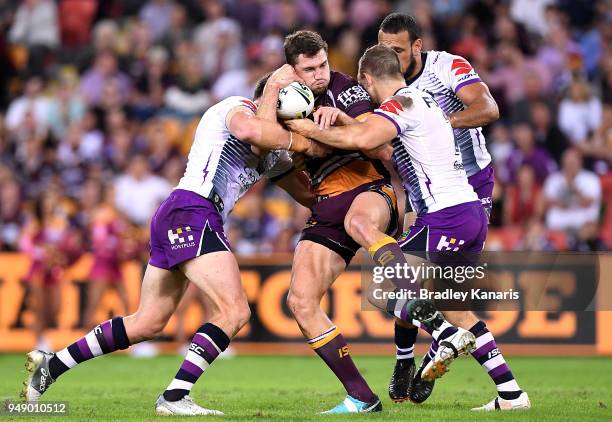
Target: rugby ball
x=295 y=101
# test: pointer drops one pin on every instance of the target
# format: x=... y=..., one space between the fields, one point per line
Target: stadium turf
x=119 y=388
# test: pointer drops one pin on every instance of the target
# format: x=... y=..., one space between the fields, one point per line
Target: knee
x=234 y=313
x=358 y=226
x=300 y=305
x=141 y=327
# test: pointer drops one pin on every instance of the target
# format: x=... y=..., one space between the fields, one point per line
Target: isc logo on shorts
x=449 y=245
x=174 y=236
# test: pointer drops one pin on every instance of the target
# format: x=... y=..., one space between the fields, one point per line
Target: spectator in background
x=148 y=94
x=76 y=17
x=188 y=97
x=288 y=16
x=66 y=106
x=36 y=26
x=218 y=41
x=546 y=131
x=158 y=16
x=138 y=192
x=12 y=216
x=501 y=149
x=32 y=104
x=527 y=152
x=103 y=72
x=579 y=112
x=106 y=231
x=333 y=21
x=572 y=196
x=522 y=198
x=343 y=57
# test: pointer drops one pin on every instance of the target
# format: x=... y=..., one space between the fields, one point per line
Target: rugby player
x=466 y=100
x=235 y=145
x=355 y=206
x=425 y=155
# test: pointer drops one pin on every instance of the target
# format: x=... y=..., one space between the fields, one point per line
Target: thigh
x=315 y=268
x=374 y=207
x=160 y=294
x=218 y=277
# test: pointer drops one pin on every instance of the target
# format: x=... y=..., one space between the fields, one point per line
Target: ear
x=417 y=46
x=367 y=78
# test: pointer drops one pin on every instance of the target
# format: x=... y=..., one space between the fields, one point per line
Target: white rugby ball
x=295 y=101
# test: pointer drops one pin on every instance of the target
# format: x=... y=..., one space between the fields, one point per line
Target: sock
x=444 y=331
x=105 y=338
x=332 y=348
x=433 y=349
x=490 y=358
x=207 y=343
x=405 y=337
x=387 y=253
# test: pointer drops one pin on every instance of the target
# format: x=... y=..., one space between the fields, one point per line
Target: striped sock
x=332 y=348
x=433 y=348
x=207 y=343
x=444 y=331
x=105 y=338
x=405 y=337
x=490 y=358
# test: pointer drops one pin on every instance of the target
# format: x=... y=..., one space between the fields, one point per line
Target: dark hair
x=381 y=62
x=308 y=43
x=400 y=22
x=260 y=85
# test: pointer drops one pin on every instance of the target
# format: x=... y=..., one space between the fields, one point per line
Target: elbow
x=246 y=132
x=492 y=112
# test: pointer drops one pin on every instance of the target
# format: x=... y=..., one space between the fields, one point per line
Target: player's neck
x=388 y=88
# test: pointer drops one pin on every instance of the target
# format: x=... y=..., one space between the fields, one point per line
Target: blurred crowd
x=99 y=101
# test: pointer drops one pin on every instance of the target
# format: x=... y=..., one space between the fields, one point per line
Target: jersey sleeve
x=354 y=100
x=456 y=72
x=282 y=166
x=399 y=110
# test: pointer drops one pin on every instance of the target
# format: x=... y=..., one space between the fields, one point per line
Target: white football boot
x=520 y=403
x=460 y=343
x=39 y=378
x=183 y=407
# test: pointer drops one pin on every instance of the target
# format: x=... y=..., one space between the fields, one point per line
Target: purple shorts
x=185 y=226
x=461 y=227
x=483 y=182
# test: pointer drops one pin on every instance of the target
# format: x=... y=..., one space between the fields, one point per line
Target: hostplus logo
x=181 y=238
x=446 y=244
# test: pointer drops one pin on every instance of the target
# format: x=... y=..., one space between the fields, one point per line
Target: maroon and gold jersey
x=343 y=170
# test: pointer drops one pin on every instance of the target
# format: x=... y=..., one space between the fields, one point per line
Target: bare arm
x=247 y=127
x=292 y=184
x=373 y=132
x=480 y=107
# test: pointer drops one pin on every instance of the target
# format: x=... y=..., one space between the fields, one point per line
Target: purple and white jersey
x=425 y=154
x=442 y=75
x=221 y=164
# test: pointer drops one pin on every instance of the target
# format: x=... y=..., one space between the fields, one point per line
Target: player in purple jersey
x=450 y=218
x=461 y=94
x=239 y=144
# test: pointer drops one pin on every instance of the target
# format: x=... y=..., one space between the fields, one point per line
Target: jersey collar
x=423 y=60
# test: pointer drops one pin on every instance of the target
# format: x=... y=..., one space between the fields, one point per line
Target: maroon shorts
x=326 y=225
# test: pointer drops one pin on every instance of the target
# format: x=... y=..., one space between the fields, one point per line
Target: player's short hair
x=308 y=43
x=400 y=22
x=260 y=85
x=381 y=62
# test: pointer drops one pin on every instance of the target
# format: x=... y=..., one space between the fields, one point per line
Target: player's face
x=407 y=51
x=314 y=71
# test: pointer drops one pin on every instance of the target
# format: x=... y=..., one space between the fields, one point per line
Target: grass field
x=295 y=388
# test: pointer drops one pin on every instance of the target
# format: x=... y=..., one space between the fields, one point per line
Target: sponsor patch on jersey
x=250 y=105
x=353 y=95
x=461 y=67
